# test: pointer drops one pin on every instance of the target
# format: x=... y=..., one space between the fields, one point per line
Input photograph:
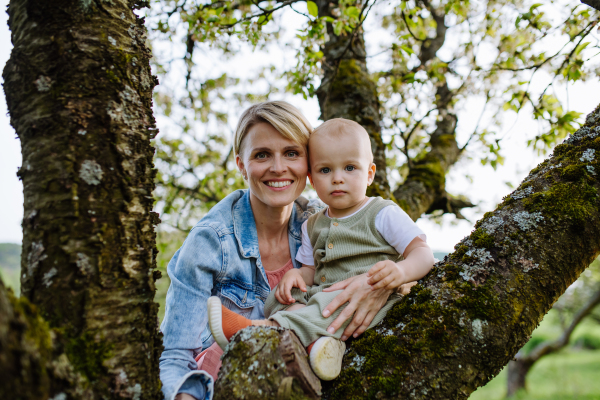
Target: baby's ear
x=371 y=173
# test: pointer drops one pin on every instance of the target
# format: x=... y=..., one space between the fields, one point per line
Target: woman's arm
x=364 y=301
x=192 y=270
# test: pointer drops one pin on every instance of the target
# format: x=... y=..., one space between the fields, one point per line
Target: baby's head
x=341 y=163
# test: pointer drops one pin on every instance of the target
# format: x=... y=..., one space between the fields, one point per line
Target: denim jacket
x=218 y=258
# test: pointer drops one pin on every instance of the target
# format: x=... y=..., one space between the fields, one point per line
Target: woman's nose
x=278 y=166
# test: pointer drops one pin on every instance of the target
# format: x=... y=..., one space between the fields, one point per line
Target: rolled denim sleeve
x=193 y=271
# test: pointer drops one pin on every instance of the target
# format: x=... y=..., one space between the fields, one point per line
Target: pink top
x=275 y=276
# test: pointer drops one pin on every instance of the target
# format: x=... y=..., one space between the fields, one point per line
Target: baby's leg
x=268 y=322
x=308 y=322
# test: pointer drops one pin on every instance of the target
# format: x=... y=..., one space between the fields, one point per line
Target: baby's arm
x=295 y=277
x=418 y=260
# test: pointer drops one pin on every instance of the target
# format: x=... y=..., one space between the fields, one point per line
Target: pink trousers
x=210 y=360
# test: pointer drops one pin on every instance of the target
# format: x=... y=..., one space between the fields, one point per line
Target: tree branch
x=467 y=318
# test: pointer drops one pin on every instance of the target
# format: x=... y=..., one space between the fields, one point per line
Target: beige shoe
x=326 y=357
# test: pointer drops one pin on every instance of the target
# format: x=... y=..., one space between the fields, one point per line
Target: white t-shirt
x=392 y=223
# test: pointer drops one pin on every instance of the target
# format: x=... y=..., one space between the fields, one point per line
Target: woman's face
x=275 y=167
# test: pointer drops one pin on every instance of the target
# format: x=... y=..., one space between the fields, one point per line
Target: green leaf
x=312 y=8
x=352 y=12
x=407 y=49
x=337 y=29
x=581 y=47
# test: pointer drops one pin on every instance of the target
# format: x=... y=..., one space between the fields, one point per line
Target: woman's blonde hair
x=283 y=116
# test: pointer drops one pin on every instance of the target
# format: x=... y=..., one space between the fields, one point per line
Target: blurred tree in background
x=419 y=60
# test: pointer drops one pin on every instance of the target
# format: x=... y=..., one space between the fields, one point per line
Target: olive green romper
x=342 y=248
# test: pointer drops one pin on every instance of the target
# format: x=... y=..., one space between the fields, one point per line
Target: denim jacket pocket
x=242 y=299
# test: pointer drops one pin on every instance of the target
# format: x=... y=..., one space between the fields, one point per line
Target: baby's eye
x=325 y=170
x=350 y=167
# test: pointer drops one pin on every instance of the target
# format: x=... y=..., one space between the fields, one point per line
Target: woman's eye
x=292 y=154
x=325 y=170
x=260 y=155
x=350 y=168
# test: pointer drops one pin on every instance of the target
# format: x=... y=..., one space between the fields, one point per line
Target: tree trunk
x=470 y=315
x=79 y=91
x=347 y=91
x=517 y=371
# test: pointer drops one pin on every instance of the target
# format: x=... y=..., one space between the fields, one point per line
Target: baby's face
x=341 y=168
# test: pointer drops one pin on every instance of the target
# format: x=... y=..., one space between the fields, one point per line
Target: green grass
x=168 y=243
x=10 y=265
x=569 y=374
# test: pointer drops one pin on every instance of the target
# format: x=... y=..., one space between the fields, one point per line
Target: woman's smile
x=279 y=184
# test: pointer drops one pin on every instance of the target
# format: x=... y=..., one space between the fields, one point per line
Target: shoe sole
x=326 y=357
x=215 y=321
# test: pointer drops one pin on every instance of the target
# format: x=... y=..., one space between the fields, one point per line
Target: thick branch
x=592 y=3
x=520 y=366
x=553 y=346
x=424 y=188
x=472 y=313
x=347 y=91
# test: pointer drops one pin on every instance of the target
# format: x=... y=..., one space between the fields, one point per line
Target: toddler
x=356 y=234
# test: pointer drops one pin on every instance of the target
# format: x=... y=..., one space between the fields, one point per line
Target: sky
x=486 y=187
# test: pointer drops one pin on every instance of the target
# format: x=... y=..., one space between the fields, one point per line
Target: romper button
x=330 y=245
x=335 y=224
x=323 y=279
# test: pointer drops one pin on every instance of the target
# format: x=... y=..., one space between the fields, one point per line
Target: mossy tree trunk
x=347 y=91
x=466 y=319
x=522 y=363
x=79 y=92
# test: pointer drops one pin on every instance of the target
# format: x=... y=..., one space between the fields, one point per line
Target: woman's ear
x=371 y=174
x=241 y=166
x=310 y=179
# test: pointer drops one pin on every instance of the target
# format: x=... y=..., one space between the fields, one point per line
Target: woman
x=248 y=239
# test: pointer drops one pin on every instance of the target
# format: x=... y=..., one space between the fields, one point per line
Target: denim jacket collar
x=244 y=226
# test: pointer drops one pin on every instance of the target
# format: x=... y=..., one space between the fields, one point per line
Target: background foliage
x=216 y=58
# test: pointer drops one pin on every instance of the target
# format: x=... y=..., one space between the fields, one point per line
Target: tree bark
x=517 y=372
x=347 y=91
x=520 y=366
x=468 y=317
x=79 y=92
x=32 y=366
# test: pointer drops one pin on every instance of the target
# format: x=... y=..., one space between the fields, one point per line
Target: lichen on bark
x=470 y=315
x=79 y=91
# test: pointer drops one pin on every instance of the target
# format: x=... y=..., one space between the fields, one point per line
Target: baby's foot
x=223 y=322
x=326 y=357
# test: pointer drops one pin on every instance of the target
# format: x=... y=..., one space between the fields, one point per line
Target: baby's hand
x=385 y=275
x=291 y=279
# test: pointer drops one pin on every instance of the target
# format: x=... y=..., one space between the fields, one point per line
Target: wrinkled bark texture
x=347 y=91
x=520 y=366
x=79 y=92
x=269 y=363
x=467 y=318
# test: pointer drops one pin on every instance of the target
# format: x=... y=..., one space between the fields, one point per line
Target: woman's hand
x=291 y=279
x=362 y=301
